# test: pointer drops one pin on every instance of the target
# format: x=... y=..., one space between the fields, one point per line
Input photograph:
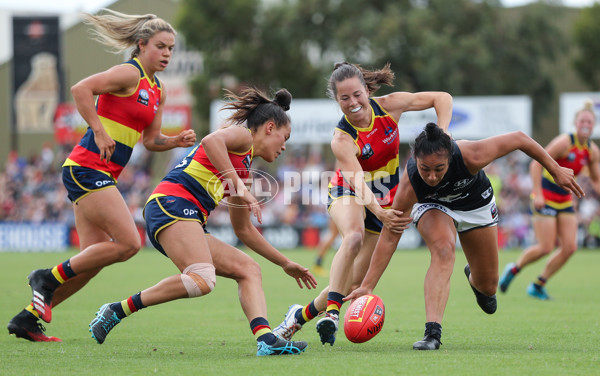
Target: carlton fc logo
x=143 y=97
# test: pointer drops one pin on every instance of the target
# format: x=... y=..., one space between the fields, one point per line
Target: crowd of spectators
x=293 y=191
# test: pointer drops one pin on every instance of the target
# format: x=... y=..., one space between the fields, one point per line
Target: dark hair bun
x=432 y=131
x=283 y=98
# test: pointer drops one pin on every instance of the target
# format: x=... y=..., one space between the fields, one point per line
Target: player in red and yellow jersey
x=177 y=210
x=366 y=146
x=552 y=207
x=129 y=105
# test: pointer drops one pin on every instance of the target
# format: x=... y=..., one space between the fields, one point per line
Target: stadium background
x=36 y=215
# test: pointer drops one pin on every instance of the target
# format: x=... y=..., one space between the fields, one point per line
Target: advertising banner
x=571 y=103
x=36 y=73
x=313 y=120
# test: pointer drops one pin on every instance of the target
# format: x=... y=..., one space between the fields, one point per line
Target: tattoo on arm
x=160 y=141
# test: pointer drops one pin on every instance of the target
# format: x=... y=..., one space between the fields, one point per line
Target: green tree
x=465 y=47
x=585 y=34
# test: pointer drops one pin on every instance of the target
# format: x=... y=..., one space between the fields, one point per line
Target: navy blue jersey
x=458 y=190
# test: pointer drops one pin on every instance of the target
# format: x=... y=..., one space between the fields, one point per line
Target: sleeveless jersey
x=379 y=147
x=197 y=180
x=577 y=158
x=458 y=190
x=124 y=117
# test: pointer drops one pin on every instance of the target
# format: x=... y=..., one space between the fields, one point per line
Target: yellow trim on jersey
x=367 y=129
x=578 y=144
x=384 y=171
x=353 y=140
x=245 y=152
x=209 y=181
x=547 y=175
x=559 y=205
x=120 y=132
x=150 y=79
x=128 y=94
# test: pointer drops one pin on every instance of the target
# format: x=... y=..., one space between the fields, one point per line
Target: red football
x=364 y=318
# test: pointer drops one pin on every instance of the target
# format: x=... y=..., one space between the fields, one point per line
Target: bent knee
x=443 y=252
x=249 y=269
x=199 y=279
x=353 y=241
x=129 y=250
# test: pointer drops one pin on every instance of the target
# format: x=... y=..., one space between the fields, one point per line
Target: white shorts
x=463 y=220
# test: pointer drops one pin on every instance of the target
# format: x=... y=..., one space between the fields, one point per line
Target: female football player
x=445 y=186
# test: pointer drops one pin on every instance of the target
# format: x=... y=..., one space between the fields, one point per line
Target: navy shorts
x=81 y=181
x=549 y=211
x=372 y=223
x=161 y=212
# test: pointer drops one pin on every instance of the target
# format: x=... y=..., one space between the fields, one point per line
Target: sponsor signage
x=313 y=120
x=25 y=237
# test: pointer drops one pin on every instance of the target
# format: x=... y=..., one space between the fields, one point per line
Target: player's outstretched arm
x=253 y=239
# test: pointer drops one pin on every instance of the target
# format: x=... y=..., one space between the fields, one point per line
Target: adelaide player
x=177 y=211
x=129 y=106
x=366 y=146
x=552 y=207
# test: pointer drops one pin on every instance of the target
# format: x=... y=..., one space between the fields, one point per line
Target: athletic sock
x=334 y=302
x=128 y=306
x=319 y=261
x=262 y=331
x=32 y=310
x=541 y=281
x=62 y=272
x=307 y=313
x=515 y=269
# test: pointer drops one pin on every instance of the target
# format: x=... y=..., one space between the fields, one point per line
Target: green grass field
x=210 y=335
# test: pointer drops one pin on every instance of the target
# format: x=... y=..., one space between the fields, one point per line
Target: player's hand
x=105 y=144
x=565 y=178
x=539 y=202
x=251 y=202
x=301 y=274
x=358 y=293
x=392 y=219
x=186 y=138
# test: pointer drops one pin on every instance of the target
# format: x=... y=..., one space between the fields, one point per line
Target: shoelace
x=288 y=348
x=291 y=330
x=42 y=327
x=109 y=323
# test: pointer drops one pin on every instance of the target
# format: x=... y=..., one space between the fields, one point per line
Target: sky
x=68 y=10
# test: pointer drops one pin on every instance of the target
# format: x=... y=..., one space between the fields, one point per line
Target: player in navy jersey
x=177 y=210
x=553 y=214
x=449 y=193
x=366 y=146
x=129 y=105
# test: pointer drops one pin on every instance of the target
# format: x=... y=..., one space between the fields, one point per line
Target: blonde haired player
x=552 y=207
x=120 y=105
